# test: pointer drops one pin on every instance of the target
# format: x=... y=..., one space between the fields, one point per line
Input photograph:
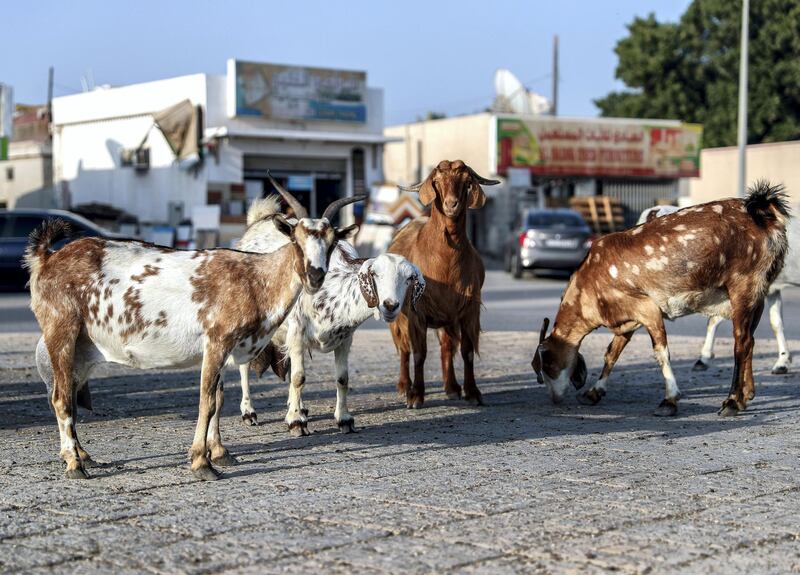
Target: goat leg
x=446 y=345
x=594 y=394
x=742 y=389
x=342 y=415
x=775 y=305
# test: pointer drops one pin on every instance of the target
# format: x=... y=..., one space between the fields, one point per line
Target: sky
x=427 y=55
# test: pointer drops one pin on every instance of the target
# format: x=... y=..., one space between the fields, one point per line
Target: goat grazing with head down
x=152 y=307
x=717 y=259
x=454 y=275
x=354 y=290
x=789 y=276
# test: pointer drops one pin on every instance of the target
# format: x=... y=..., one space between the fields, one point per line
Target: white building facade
x=319 y=132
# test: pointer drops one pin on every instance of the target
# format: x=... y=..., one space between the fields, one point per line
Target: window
x=10 y=173
x=22 y=226
x=554 y=220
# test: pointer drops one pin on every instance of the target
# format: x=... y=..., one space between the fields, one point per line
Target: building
x=546 y=161
x=165 y=151
x=26 y=173
x=777 y=162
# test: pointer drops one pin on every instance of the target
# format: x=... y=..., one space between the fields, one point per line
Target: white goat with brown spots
x=789 y=276
x=717 y=259
x=150 y=307
x=354 y=290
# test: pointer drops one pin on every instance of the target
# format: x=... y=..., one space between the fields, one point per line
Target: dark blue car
x=16 y=226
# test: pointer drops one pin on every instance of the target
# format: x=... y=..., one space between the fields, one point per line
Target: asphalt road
x=515 y=486
x=510 y=305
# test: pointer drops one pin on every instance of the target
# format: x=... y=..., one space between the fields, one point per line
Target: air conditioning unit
x=137 y=158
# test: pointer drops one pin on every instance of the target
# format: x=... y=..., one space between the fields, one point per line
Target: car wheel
x=516 y=265
x=507 y=261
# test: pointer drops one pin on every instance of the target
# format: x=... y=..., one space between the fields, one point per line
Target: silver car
x=548 y=238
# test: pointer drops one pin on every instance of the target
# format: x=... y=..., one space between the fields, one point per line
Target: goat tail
x=263 y=208
x=767 y=203
x=41 y=240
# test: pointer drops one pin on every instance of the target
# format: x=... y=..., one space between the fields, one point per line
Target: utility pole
x=554 y=106
x=740 y=190
x=50 y=75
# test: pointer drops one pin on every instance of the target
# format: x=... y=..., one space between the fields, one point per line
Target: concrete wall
x=465 y=138
x=778 y=162
x=32 y=183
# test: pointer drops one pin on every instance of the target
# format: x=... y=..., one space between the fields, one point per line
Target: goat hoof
x=453 y=392
x=474 y=400
x=76 y=473
x=224 y=460
x=591 y=396
x=347 y=425
x=700 y=366
x=729 y=408
x=780 y=370
x=666 y=408
x=206 y=473
x=250 y=419
x=298 y=429
x=414 y=402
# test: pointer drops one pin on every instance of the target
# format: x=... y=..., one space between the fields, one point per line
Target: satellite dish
x=511 y=94
x=512 y=97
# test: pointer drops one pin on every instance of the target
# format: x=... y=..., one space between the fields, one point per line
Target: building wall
x=467 y=138
x=32 y=183
x=92 y=129
x=779 y=162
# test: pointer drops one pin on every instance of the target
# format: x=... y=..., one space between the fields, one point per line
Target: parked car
x=16 y=226
x=548 y=238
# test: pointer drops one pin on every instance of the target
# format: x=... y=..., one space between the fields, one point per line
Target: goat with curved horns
x=454 y=275
x=147 y=306
x=354 y=290
x=717 y=259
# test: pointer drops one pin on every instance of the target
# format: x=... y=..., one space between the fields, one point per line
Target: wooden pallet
x=602 y=213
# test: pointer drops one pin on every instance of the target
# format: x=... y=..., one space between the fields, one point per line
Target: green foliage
x=690 y=70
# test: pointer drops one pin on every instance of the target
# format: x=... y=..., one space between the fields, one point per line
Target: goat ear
x=366 y=282
x=536 y=363
x=418 y=288
x=427 y=192
x=578 y=377
x=342 y=233
x=543 y=331
x=476 y=196
x=283 y=226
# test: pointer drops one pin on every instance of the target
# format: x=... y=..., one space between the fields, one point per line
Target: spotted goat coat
x=789 y=276
x=717 y=259
x=354 y=290
x=151 y=307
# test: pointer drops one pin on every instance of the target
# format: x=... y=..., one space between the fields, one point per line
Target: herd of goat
x=295 y=285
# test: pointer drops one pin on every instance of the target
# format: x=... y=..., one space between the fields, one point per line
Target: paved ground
x=517 y=486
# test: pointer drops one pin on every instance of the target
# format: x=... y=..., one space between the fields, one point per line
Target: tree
x=690 y=70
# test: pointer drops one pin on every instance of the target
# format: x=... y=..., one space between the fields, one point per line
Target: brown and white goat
x=151 y=307
x=716 y=259
x=453 y=270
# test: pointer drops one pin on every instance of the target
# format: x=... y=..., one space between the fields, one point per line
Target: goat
x=717 y=259
x=454 y=275
x=354 y=289
x=146 y=306
x=790 y=275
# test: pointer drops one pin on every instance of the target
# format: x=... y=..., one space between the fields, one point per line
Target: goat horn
x=299 y=211
x=543 y=332
x=414 y=188
x=481 y=179
x=337 y=205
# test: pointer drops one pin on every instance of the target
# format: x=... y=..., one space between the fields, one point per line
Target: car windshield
x=554 y=220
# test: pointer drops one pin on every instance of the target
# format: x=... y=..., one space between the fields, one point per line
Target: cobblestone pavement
x=516 y=486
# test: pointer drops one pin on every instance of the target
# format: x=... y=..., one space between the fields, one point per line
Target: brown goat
x=454 y=275
x=717 y=258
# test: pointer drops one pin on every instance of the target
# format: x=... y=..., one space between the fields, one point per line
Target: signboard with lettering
x=298 y=92
x=597 y=147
